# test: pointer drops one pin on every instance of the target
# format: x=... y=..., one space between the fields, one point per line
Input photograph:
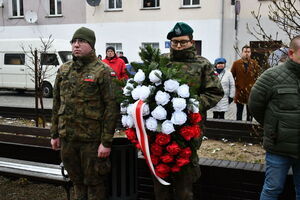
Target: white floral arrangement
x=170 y=114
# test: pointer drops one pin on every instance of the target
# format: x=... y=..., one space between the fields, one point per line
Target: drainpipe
x=236 y=24
x=222 y=28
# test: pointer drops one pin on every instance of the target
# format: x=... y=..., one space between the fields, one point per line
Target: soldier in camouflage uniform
x=84 y=116
x=210 y=92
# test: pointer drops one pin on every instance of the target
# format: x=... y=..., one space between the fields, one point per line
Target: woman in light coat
x=228 y=85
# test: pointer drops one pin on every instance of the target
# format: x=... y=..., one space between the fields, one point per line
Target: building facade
x=218 y=25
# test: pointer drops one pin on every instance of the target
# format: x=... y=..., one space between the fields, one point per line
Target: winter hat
x=85 y=34
x=220 y=60
x=180 y=29
x=110 y=48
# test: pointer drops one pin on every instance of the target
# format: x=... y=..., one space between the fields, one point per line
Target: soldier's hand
x=103 y=151
x=55 y=143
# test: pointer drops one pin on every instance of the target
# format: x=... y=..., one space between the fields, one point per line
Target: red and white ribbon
x=142 y=136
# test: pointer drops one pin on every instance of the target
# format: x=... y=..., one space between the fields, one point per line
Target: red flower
x=197 y=131
x=182 y=161
x=185 y=153
x=162 y=169
x=195 y=118
x=167 y=158
x=130 y=133
x=187 y=132
x=154 y=159
x=138 y=146
x=156 y=149
x=175 y=169
x=173 y=148
x=162 y=139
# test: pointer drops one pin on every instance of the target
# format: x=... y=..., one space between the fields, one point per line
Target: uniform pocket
x=103 y=166
x=89 y=88
x=288 y=98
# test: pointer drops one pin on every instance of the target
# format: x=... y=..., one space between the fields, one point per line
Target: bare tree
x=286 y=16
x=39 y=72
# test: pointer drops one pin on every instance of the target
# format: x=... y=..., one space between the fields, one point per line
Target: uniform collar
x=84 y=60
x=185 y=55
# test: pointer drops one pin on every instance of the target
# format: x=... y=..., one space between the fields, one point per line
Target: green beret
x=85 y=34
x=180 y=29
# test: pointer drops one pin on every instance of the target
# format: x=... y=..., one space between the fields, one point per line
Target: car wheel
x=47 y=90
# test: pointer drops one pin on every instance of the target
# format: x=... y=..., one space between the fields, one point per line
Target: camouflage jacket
x=84 y=102
x=209 y=89
x=208 y=85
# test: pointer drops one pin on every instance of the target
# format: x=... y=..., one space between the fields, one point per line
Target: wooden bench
x=26 y=152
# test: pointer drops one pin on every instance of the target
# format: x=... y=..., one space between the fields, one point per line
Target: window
x=114 y=4
x=55 y=7
x=14 y=59
x=154 y=45
x=17 y=8
x=117 y=46
x=150 y=3
x=49 y=59
x=191 y=2
x=65 y=56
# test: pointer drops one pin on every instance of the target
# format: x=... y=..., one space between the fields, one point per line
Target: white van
x=15 y=63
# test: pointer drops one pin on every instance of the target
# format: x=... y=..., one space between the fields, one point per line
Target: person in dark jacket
x=275 y=103
x=124 y=58
x=116 y=63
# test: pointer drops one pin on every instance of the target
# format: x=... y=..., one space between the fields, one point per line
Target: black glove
x=230 y=100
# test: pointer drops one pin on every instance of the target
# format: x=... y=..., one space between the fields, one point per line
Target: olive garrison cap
x=180 y=29
x=85 y=34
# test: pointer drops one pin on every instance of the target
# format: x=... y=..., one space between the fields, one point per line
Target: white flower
x=179 y=104
x=144 y=92
x=136 y=93
x=162 y=98
x=171 y=85
x=123 y=108
x=155 y=76
x=183 y=91
x=178 y=118
x=127 y=121
x=193 y=105
x=159 y=113
x=127 y=89
x=146 y=110
x=139 y=77
x=151 y=124
x=167 y=127
x=130 y=109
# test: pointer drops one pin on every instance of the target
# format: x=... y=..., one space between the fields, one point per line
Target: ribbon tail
x=143 y=138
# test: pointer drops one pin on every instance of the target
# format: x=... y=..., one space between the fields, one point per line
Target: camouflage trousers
x=87 y=172
x=181 y=187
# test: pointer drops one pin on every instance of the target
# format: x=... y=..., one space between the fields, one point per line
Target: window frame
x=143 y=45
x=115 y=4
x=18 y=9
x=151 y=7
x=191 y=4
x=114 y=44
x=55 y=8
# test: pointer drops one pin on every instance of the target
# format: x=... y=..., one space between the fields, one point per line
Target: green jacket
x=209 y=89
x=275 y=102
x=84 y=102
